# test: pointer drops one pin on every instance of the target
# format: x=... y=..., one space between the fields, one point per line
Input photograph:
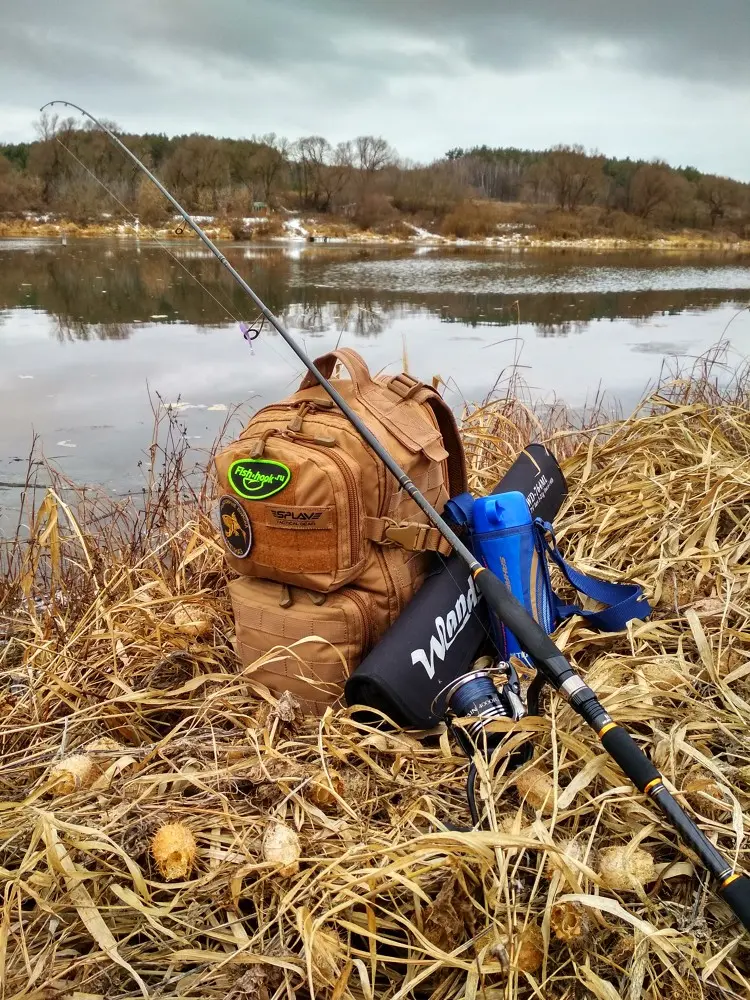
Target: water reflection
x=88 y=329
x=100 y=290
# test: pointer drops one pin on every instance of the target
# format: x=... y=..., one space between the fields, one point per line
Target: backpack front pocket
x=309 y=531
x=269 y=618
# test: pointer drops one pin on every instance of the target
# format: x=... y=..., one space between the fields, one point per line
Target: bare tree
x=719 y=194
x=310 y=158
x=535 y=181
x=48 y=160
x=150 y=206
x=372 y=153
x=269 y=162
x=17 y=191
x=199 y=169
x=335 y=175
x=243 y=168
x=649 y=188
x=46 y=125
x=573 y=177
x=680 y=204
x=435 y=189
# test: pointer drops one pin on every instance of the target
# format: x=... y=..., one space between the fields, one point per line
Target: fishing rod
x=553 y=667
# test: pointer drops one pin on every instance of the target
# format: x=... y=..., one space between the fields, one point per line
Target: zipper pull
x=259 y=446
x=326 y=442
x=316 y=598
x=285 y=597
x=295 y=424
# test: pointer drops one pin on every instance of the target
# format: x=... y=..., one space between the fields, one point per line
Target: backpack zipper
x=364 y=610
x=311 y=406
x=355 y=530
x=351 y=493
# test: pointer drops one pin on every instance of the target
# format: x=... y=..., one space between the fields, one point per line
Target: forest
x=564 y=191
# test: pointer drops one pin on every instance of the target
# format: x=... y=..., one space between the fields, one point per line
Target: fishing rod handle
x=733 y=888
x=736 y=894
x=619 y=744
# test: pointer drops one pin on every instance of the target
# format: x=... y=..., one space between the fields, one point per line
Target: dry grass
x=524 y=225
x=114 y=624
x=14 y=228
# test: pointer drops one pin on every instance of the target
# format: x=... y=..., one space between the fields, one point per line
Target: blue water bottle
x=505 y=540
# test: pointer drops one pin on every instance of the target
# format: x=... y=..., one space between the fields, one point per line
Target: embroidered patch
x=258 y=478
x=235 y=526
x=299 y=517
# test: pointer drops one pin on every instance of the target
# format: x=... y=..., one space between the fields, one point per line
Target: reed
x=319 y=855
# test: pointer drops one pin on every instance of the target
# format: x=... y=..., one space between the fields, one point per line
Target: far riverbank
x=311 y=230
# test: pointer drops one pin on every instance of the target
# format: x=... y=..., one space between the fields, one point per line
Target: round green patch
x=258 y=478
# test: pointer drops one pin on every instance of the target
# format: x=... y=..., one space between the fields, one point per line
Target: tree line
x=66 y=169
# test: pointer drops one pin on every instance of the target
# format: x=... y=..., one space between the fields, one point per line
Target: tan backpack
x=328 y=545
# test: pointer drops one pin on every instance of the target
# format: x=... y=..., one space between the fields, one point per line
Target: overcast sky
x=645 y=78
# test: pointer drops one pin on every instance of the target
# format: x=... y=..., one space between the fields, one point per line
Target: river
x=94 y=334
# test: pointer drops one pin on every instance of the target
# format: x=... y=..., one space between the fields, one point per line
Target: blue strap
x=458 y=510
x=625 y=601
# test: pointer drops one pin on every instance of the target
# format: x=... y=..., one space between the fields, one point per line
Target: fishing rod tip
x=50 y=103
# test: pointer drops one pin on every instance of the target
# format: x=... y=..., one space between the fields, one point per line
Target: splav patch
x=258 y=478
x=235 y=526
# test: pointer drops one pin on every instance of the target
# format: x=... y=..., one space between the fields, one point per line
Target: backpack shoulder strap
x=404 y=387
x=625 y=601
x=457 y=476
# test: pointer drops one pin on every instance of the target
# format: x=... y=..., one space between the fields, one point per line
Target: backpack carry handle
x=358 y=371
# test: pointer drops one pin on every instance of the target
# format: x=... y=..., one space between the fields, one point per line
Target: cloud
x=668 y=79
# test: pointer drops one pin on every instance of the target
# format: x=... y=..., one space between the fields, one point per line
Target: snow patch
x=295 y=227
x=196 y=218
x=423 y=234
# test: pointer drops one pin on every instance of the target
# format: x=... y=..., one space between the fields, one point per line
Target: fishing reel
x=490 y=692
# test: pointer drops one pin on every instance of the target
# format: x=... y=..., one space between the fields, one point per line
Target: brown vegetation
x=364 y=182
x=470 y=219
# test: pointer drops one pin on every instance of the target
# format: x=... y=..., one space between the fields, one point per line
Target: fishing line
x=250 y=335
x=257 y=324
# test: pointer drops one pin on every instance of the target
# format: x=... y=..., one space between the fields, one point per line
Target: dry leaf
x=449 y=919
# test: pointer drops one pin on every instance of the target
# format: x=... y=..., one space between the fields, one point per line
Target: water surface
x=91 y=332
